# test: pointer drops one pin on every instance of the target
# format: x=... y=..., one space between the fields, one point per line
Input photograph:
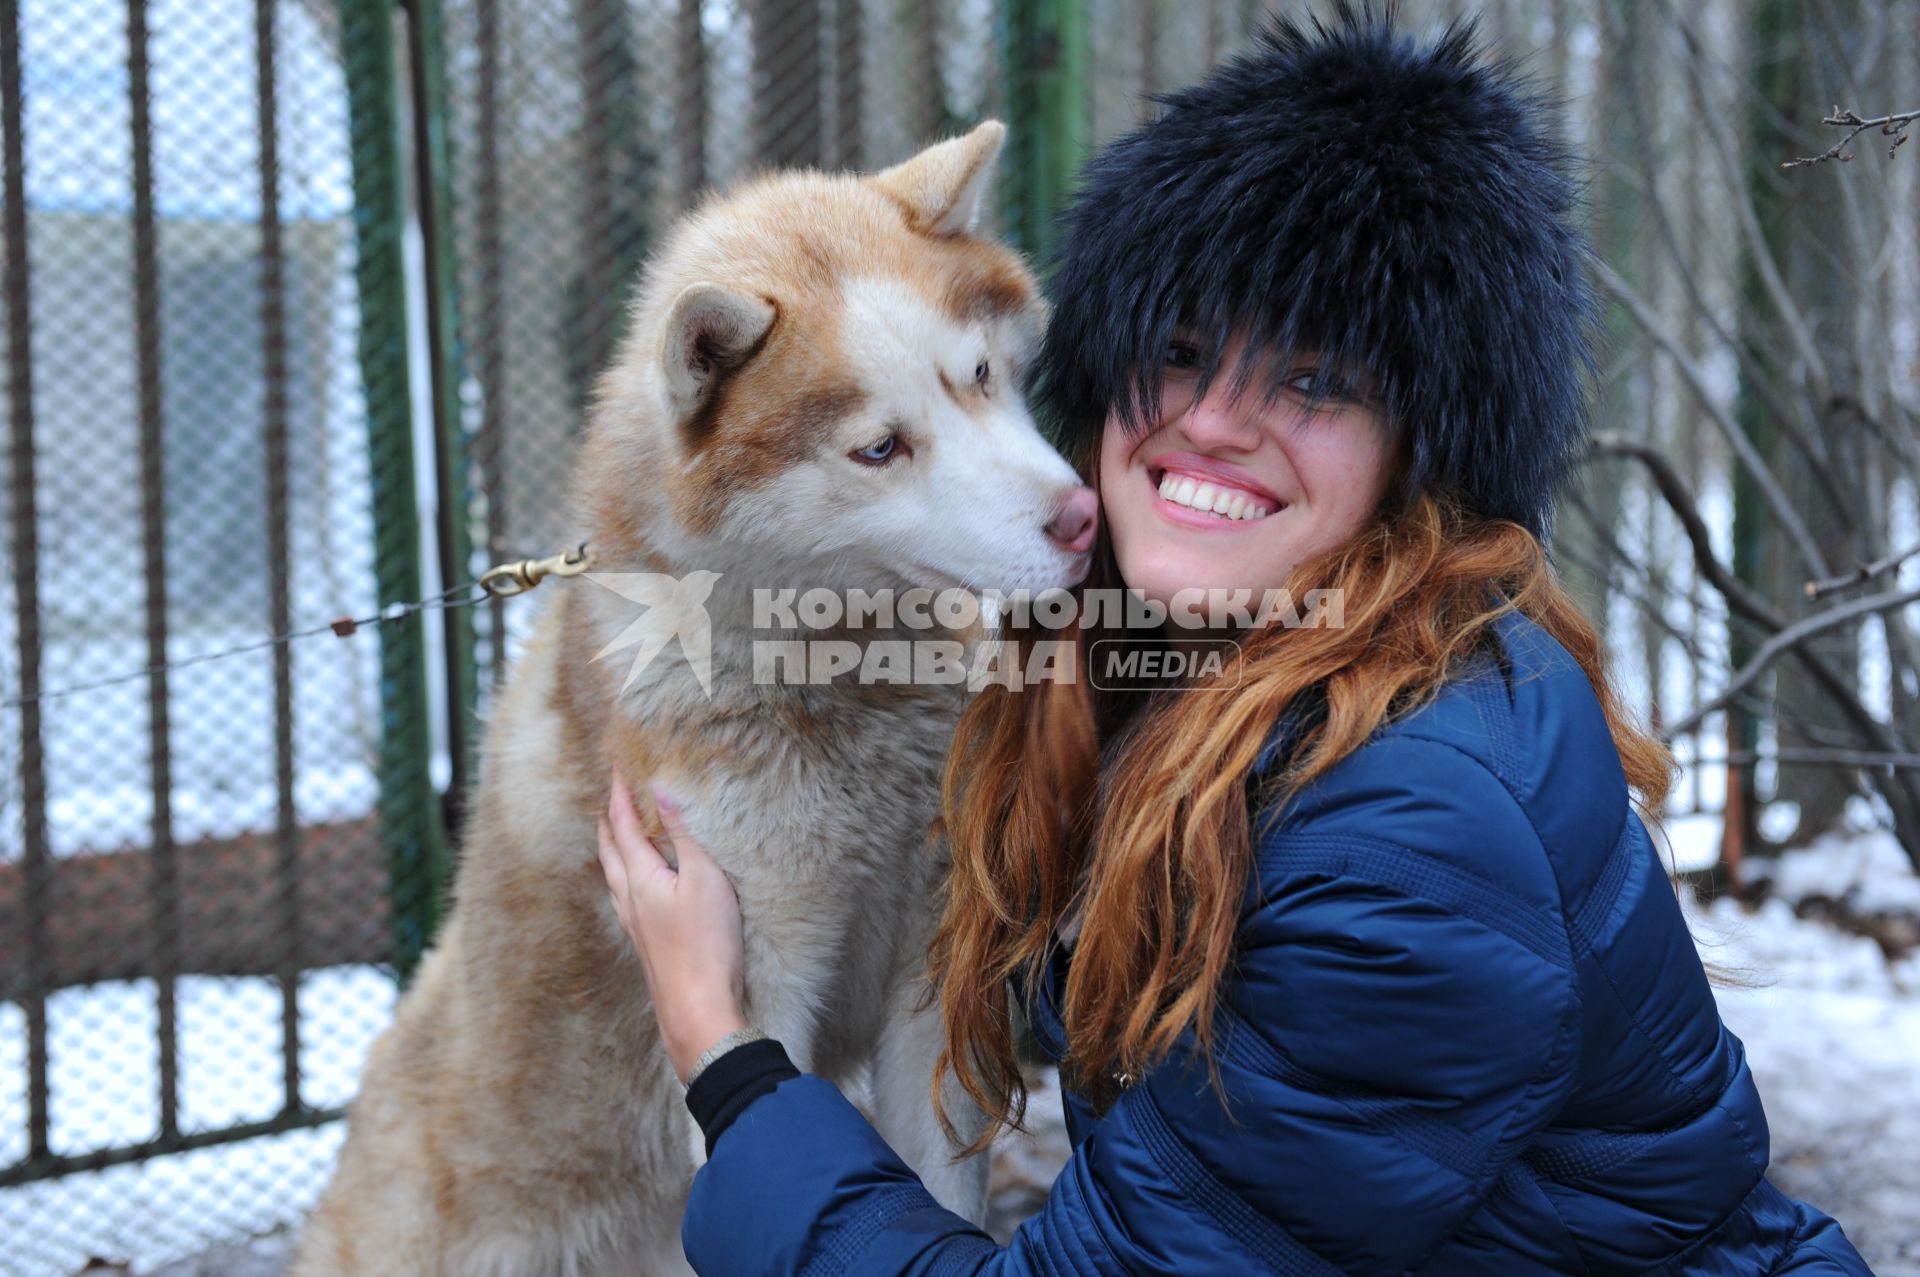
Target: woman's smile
x=1202 y=492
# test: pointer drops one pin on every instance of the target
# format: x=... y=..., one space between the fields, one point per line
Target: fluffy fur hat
x=1407 y=210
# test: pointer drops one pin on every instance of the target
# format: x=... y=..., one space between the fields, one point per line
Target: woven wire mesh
x=579 y=131
x=193 y=883
x=221 y=241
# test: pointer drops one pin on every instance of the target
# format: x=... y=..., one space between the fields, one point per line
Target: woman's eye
x=981 y=371
x=877 y=454
x=1336 y=388
x=1183 y=355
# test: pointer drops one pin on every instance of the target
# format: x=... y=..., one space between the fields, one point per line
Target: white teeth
x=1228 y=503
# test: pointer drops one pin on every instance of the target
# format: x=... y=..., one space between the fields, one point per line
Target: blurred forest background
x=1749 y=517
x=302 y=300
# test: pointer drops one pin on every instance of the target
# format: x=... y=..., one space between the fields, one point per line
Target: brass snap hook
x=510 y=579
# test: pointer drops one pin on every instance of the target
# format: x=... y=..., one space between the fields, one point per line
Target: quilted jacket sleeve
x=1402 y=1019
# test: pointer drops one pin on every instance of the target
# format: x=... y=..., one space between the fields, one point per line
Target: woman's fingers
x=675 y=821
x=615 y=869
x=620 y=811
x=646 y=869
x=684 y=925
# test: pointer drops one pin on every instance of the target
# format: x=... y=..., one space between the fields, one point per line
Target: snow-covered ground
x=106 y=1092
x=1834 y=1043
x=1832 y=1030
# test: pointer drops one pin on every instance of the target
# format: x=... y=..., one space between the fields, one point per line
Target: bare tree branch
x=1789 y=639
x=1861 y=575
x=1673 y=489
x=1894 y=126
x=1648 y=608
x=1871 y=759
x=1743 y=448
x=1903 y=794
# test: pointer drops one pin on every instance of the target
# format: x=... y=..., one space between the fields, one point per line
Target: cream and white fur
x=519 y=1116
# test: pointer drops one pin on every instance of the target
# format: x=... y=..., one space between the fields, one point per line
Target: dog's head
x=829 y=371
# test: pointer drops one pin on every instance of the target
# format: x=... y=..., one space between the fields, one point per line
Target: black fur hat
x=1407 y=210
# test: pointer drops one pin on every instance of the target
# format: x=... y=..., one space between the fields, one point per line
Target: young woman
x=1362 y=963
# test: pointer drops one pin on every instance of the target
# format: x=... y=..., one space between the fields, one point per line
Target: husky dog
x=821 y=386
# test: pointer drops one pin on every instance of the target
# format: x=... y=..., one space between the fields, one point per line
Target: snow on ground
x=1832 y=1031
x=1868 y=873
x=1690 y=843
x=105 y=1092
x=1831 y=1026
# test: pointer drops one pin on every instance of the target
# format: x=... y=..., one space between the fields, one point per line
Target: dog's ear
x=709 y=329
x=941 y=187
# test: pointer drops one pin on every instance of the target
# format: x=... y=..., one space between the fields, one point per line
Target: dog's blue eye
x=981 y=372
x=877 y=453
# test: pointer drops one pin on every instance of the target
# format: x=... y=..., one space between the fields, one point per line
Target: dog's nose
x=1073 y=527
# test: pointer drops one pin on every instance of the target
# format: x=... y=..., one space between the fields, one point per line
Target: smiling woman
x=1236 y=481
x=1361 y=961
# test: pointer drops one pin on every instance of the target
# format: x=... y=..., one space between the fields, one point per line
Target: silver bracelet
x=739 y=1037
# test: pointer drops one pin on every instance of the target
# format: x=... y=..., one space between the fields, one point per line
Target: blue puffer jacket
x=1467 y=1033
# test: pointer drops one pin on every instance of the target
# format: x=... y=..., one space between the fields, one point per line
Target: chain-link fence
x=576 y=132
x=193 y=874
x=302 y=301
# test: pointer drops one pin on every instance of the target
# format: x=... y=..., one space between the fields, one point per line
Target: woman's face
x=1282 y=480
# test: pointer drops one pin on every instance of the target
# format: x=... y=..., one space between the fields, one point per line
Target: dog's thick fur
x=519 y=1117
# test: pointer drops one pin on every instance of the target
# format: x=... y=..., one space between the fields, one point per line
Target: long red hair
x=1156 y=852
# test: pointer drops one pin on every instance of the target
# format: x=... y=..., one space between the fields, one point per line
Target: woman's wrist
x=738 y=1037
x=734 y=1082
x=685 y=1049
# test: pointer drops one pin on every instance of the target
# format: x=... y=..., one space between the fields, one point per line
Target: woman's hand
x=684 y=923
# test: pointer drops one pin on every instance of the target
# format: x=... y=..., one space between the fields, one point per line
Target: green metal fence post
x=1045 y=52
x=432 y=155
x=410 y=816
x=619 y=169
